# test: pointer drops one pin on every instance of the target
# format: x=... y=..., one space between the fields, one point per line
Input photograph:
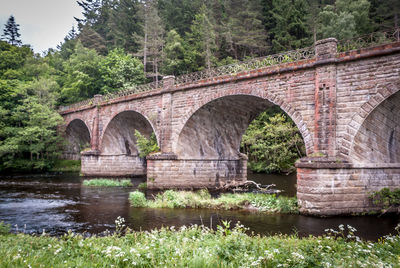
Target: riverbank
x=202 y=199
x=198 y=246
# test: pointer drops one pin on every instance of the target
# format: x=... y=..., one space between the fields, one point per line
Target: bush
x=386 y=197
x=146 y=146
x=203 y=199
x=4 y=228
x=137 y=199
x=142 y=186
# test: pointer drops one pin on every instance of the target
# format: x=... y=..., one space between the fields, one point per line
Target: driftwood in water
x=247 y=186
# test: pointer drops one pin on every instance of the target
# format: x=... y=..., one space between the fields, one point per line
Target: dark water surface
x=60 y=203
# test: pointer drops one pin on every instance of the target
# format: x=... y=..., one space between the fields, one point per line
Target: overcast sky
x=42 y=23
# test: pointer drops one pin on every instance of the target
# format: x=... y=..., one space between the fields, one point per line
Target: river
x=58 y=203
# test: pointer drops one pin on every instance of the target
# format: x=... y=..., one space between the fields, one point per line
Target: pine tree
x=174 y=54
x=202 y=39
x=92 y=40
x=290 y=30
x=245 y=32
x=152 y=40
x=386 y=14
x=10 y=33
x=123 y=24
x=90 y=11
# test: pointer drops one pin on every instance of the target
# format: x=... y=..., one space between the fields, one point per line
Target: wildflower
x=297 y=256
x=351 y=228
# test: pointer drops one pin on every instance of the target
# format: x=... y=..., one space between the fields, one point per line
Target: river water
x=60 y=203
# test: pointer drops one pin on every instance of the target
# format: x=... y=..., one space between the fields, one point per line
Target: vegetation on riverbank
x=202 y=199
x=387 y=199
x=63 y=165
x=108 y=183
x=198 y=246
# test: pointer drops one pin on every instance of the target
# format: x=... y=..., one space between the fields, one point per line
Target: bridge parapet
x=307 y=53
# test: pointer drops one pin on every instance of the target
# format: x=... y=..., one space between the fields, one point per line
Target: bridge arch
x=374 y=132
x=78 y=136
x=118 y=136
x=214 y=126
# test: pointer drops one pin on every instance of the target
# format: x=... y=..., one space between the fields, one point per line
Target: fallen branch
x=247 y=186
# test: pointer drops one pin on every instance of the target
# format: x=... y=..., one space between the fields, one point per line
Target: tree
x=339 y=25
x=81 y=77
x=385 y=14
x=92 y=40
x=272 y=143
x=290 y=29
x=245 y=32
x=178 y=14
x=345 y=19
x=201 y=41
x=123 y=24
x=10 y=33
x=29 y=121
x=119 y=70
x=152 y=40
x=174 y=54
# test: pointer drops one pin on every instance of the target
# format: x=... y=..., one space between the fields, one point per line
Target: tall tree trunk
x=145 y=47
x=396 y=25
x=156 y=69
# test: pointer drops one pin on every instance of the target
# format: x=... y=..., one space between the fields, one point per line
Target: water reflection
x=60 y=203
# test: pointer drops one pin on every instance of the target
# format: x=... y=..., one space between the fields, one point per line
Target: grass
x=142 y=186
x=62 y=165
x=107 y=183
x=198 y=246
x=203 y=199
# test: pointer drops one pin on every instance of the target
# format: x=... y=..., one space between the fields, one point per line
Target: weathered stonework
x=93 y=164
x=346 y=106
x=341 y=188
x=166 y=171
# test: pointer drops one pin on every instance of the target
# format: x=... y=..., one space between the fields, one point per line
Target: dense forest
x=120 y=43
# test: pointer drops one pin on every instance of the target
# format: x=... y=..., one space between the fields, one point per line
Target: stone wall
x=165 y=172
x=112 y=165
x=324 y=190
x=362 y=85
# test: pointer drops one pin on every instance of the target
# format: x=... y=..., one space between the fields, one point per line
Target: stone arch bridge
x=345 y=104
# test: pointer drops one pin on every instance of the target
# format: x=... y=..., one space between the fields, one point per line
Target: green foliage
x=142 y=186
x=386 y=197
x=202 y=199
x=4 y=228
x=288 y=21
x=107 y=183
x=63 y=165
x=82 y=79
x=174 y=62
x=201 y=41
x=145 y=145
x=29 y=122
x=345 y=19
x=272 y=143
x=137 y=199
x=119 y=70
x=197 y=246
